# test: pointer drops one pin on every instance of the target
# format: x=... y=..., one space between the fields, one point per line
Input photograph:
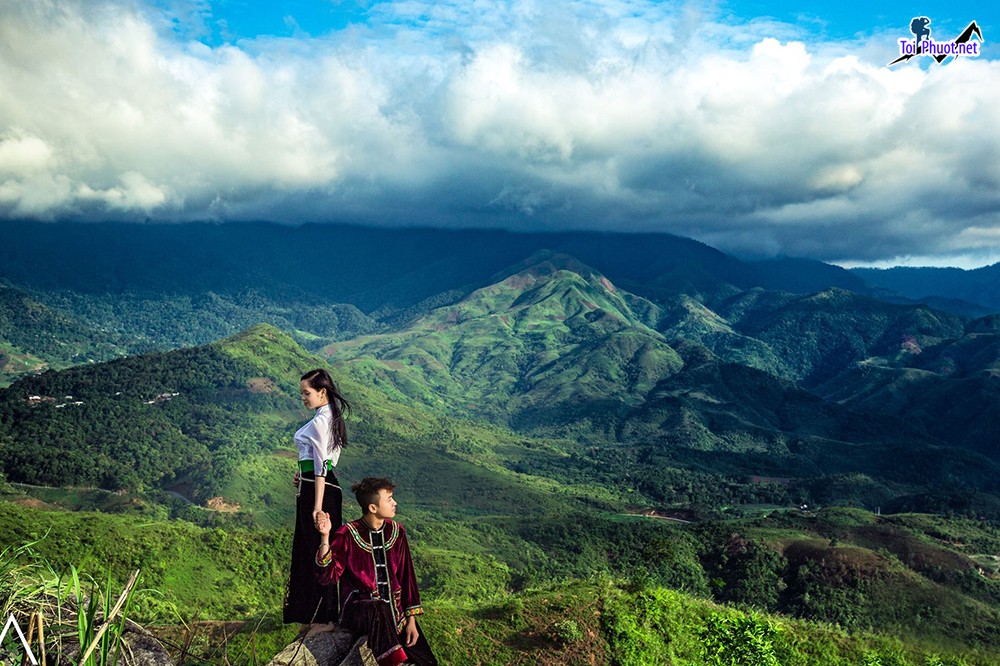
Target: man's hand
x=323 y=523
x=410 y=634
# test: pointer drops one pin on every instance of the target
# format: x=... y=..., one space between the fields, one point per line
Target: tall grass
x=19 y=584
x=75 y=618
x=104 y=641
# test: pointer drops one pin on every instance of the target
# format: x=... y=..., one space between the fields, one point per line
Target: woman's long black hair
x=320 y=379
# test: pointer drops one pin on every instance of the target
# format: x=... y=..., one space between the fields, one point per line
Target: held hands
x=322 y=523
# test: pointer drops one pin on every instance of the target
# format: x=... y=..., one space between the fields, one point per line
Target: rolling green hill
x=497 y=514
x=34 y=336
x=149 y=421
x=552 y=331
x=951 y=389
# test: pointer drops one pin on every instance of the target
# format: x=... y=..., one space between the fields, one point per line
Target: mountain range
x=647 y=347
x=574 y=377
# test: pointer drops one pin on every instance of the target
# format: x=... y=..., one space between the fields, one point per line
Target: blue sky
x=760 y=128
x=232 y=20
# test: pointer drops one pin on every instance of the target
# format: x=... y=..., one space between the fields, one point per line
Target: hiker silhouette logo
x=923 y=45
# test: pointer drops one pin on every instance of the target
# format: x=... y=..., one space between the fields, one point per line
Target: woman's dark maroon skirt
x=306 y=601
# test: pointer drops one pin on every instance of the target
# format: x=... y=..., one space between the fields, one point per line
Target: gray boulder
x=329 y=648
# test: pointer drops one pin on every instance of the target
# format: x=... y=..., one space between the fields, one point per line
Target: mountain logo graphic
x=11 y=622
x=923 y=45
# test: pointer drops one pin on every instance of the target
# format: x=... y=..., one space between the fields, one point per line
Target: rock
x=143 y=649
x=329 y=648
x=140 y=648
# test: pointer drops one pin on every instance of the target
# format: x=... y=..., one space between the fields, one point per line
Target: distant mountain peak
x=543 y=263
x=272 y=351
x=262 y=332
x=548 y=286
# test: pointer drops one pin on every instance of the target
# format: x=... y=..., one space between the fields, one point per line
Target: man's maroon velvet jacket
x=352 y=560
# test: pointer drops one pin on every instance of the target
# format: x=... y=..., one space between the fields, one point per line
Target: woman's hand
x=295 y=480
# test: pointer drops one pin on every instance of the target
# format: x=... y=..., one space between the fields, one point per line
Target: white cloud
x=616 y=113
x=135 y=193
x=26 y=154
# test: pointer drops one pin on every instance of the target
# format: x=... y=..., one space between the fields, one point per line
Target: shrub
x=747 y=640
x=567 y=631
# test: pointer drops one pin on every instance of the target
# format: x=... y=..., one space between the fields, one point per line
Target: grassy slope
x=464 y=487
x=606 y=622
x=474 y=618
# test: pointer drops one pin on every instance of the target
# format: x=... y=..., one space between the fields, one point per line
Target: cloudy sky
x=754 y=126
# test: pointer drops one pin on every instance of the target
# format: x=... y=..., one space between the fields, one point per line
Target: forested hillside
x=464 y=489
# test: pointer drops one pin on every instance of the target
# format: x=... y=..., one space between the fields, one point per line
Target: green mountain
x=549 y=332
x=817 y=336
x=740 y=420
x=948 y=388
x=139 y=288
x=555 y=350
x=34 y=336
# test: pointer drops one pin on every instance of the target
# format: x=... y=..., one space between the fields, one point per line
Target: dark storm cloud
x=624 y=115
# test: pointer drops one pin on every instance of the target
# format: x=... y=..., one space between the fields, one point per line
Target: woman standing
x=319 y=442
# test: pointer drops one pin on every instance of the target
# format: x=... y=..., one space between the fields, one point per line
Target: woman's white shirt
x=315 y=441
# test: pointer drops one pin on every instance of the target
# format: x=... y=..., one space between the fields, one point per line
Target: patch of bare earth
x=220 y=504
x=261 y=385
x=33 y=503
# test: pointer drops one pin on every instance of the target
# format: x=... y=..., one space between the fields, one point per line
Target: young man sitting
x=378 y=589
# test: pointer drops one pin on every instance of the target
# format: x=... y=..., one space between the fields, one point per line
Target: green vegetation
x=182 y=418
x=41 y=330
x=34 y=336
x=592 y=466
x=66 y=615
x=556 y=352
x=635 y=590
x=475 y=545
